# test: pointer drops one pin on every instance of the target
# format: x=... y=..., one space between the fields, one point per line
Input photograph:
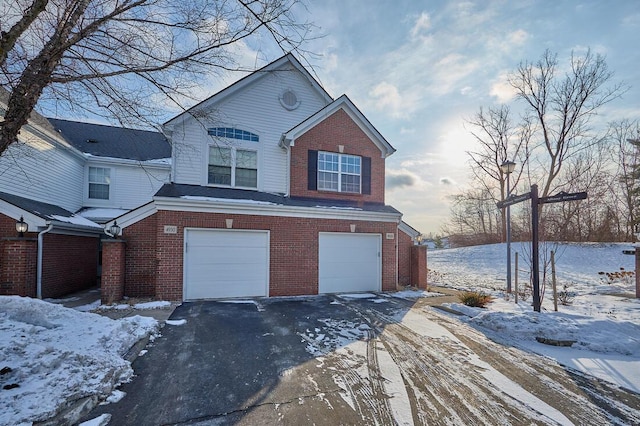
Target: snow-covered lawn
x=51 y=356
x=605 y=328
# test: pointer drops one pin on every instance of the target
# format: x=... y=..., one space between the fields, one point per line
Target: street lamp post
x=507 y=168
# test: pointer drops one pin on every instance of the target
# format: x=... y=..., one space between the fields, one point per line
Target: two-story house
x=60 y=180
x=276 y=189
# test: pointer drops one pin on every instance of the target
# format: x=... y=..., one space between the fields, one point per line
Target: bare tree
x=498 y=141
x=122 y=58
x=625 y=136
x=562 y=106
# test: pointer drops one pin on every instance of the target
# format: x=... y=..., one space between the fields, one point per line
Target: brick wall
x=113 y=271
x=404 y=258
x=337 y=129
x=18 y=266
x=141 y=258
x=293 y=268
x=419 y=266
x=69 y=263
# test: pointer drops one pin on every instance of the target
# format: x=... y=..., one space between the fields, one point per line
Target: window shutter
x=366 y=175
x=312 y=170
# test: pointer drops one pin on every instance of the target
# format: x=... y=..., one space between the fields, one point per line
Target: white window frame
x=339 y=173
x=233 y=151
x=109 y=184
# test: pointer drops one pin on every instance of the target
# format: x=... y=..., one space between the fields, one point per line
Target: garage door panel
x=349 y=262
x=226 y=263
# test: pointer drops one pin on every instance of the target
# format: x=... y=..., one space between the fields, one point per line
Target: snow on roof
x=75 y=220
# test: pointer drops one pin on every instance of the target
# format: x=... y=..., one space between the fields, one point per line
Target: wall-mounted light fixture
x=114 y=230
x=21 y=227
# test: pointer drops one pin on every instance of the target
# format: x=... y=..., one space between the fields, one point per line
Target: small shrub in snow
x=565 y=297
x=475 y=299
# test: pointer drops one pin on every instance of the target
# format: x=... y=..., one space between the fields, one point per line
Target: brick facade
x=419 y=266
x=405 y=242
x=337 y=129
x=113 y=271
x=293 y=267
x=69 y=264
x=18 y=266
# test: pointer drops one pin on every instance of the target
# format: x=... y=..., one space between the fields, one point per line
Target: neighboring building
x=277 y=189
x=63 y=179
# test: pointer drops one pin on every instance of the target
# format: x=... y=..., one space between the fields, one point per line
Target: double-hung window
x=233 y=167
x=339 y=172
x=99 y=182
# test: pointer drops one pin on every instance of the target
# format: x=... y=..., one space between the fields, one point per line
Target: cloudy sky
x=419 y=69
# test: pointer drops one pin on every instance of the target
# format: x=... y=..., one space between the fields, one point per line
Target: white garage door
x=349 y=262
x=225 y=263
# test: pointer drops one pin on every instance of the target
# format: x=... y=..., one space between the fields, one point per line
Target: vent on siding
x=289 y=100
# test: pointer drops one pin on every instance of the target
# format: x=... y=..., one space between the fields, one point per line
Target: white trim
x=255 y=231
x=14 y=212
x=268 y=209
x=246 y=81
x=345 y=104
x=408 y=229
x=111 y=161
x=133 y=216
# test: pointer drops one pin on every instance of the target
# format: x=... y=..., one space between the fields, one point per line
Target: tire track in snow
x=582 y=399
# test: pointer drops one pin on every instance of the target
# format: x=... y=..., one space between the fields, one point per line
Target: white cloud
x=501 y=89
x=387 y=98
x=422 y=24
x=518 y=37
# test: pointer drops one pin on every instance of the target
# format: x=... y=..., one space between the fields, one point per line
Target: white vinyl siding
x=130 y=185
x=42 y=171
x=246 y=110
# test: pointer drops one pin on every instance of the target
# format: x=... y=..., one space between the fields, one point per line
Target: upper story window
x=99 y=182
x=233 y=167
x=339 y=172
x=232 y=133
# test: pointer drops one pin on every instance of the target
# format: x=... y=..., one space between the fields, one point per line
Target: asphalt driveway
x=330 y=360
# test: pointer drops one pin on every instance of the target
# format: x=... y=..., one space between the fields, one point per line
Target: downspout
x=39 y=265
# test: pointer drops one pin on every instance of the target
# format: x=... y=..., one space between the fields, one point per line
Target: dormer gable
x=343 y=103
x=337 y=154
x=283 y=63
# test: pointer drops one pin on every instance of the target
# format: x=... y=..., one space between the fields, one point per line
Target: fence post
x=516 y=278
x=553 y=281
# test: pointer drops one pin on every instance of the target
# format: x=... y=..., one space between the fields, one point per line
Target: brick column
x=419 y=266
x=18 y=266
x=113 y=271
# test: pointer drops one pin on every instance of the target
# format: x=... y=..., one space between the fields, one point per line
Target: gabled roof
x=408 y=229
x=113 y=142
x=344 y=103
x=38 y=214
x=250 y=79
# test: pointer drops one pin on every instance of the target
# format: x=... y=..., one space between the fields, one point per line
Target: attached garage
x=349 y=262
x=225 y=263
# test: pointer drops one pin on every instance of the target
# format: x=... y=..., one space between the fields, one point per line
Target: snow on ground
x=51 y=355
x=604 y=329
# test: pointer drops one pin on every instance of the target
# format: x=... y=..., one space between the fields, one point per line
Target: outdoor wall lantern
x=419 y=239
x=114 y=230
x=21 y=227
x=636 y=231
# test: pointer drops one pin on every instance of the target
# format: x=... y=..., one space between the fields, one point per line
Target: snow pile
x=51 y=355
